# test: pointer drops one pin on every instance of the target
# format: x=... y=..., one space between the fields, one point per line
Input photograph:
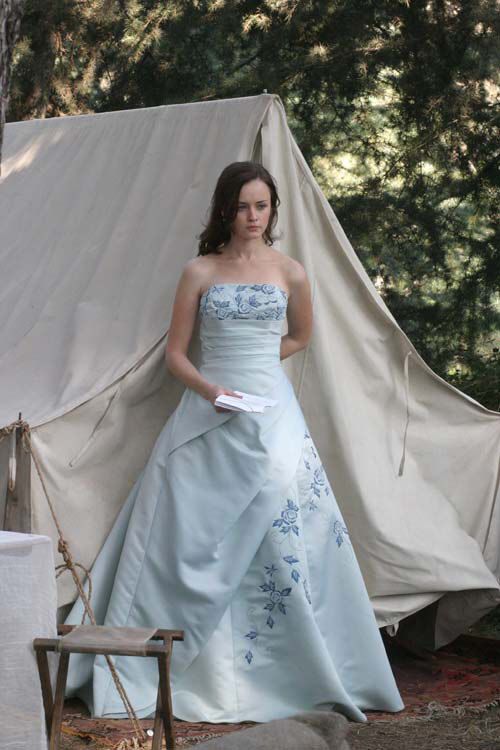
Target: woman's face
x=254 y=210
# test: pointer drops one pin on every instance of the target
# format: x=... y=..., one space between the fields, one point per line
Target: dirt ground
x=460 y=730
x=448 y=730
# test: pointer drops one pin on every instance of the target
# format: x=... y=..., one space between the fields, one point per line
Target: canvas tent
x=98 y=214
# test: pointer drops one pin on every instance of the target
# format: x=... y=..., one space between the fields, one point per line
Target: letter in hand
x=218 y=391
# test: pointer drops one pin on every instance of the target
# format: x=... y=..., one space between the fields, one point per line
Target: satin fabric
x=218 y=537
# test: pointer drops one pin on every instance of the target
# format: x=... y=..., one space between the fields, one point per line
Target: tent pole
x=17 y=515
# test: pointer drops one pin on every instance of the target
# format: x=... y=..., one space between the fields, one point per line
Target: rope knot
x=62 y=548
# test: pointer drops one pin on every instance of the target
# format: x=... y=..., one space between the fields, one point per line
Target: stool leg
x=62 y=673
x=166 y=698
x=158 y=723
x=45 y=684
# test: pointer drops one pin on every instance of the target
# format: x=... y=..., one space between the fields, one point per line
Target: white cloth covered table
x=28 y=610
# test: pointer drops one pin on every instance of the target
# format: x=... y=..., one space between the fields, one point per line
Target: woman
x=232 y=532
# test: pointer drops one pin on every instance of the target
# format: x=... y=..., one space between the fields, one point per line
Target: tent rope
x=69 y=564
x=407 y=397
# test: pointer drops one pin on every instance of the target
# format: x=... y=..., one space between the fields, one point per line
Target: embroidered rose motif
x=287 y=522
x=275 y=599
x=290 y=515
x=268 y=288
x=243 y=307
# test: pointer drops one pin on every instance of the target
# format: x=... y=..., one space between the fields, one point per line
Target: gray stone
x=314 y=730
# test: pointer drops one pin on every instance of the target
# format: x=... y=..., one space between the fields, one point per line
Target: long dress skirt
x=233 y=534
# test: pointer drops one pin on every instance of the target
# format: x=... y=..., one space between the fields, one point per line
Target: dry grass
x=455 y=729
x=441 y=729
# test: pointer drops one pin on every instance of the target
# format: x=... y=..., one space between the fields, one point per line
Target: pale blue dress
x=233 y=534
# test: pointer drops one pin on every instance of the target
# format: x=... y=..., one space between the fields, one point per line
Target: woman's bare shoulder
x=293 y=271
x=196 y=271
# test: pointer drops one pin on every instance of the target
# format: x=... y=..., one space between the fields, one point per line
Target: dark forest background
x=395 y=106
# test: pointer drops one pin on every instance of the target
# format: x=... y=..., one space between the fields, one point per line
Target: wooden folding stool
x=99 y=639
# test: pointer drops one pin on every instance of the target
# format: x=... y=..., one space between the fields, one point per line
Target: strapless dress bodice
x=240 y=335
x=229 y=301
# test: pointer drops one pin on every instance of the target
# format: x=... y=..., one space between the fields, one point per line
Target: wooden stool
x=99 y=639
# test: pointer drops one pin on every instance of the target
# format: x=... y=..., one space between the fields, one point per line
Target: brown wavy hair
x=224 y=205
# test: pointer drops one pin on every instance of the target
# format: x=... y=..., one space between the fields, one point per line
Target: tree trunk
x=11 y=12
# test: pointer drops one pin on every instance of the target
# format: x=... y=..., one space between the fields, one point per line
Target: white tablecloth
x=28 y=604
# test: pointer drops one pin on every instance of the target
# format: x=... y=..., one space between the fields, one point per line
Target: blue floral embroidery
x=275 y=599
x=247 y=301
x=287 y=522
x=338 y=531
x=319 y=481
x=292 y=560
x=310 y=447
x=252 y=635
x=309 y=491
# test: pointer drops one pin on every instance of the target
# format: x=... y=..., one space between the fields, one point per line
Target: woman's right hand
x=218 y=390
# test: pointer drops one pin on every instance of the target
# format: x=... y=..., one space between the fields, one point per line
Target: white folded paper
x=249 y=402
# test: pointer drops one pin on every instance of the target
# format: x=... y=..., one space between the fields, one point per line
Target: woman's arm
x=184 y=312
x=299 y=311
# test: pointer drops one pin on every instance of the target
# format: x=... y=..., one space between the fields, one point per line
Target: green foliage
x=393 y=103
